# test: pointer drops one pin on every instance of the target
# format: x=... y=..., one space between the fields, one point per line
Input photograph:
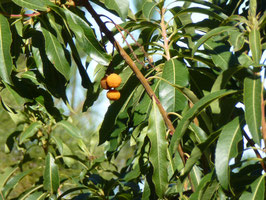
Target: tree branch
x=134 y=68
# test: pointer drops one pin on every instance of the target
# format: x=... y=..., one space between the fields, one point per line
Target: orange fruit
x=113 y=95
x=104 y=83
x=113 y=80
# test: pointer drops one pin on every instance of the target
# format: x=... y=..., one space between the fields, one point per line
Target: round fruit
x=104 y=83
x=113 y=95
x=113 y=80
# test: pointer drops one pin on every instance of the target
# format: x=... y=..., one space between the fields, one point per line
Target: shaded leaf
x=51 y=175
x=192 y=113
x=210 y=34
x=256 y=190
x=252 y=102
x=227 y=148
x=220 y=54
x=158 y=150
x=5 y=55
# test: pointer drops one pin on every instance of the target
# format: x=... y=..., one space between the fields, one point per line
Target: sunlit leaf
x=86 y=38
x=29 y=131
x=252 y=102
x=120 y=6
x=56 y=54
x=5 y=44
x=227 y=148
x=70 y=128
x=176 y=73
x=51 y=174
x=33 y=4
x=255 y=45
x=158 y=151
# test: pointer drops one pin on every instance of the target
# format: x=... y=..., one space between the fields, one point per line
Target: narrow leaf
x=220 y=54
x=56 y=54
x=71 y=129
x=30 y=131
x=158 y=150
x=252 y=102
x=192 y=113
x=256 y=190
x=148 y=9
x=12 y=182
x=5 y=44
x=120 y=6
x=33 y=4
x=227 y=149
x=86 y=38
x=176 y=73
x=51 y=175
x=210 y=34
x=255 y=46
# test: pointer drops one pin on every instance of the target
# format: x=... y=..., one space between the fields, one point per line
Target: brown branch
x=134 y=68
x=20 y=15
x=252 y=143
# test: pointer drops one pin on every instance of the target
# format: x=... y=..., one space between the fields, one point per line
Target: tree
x=179 y=113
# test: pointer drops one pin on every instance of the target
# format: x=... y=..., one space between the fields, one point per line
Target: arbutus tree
x=176 y=129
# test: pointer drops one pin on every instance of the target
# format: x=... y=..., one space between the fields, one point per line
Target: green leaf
x=148 y=8
x=197 y=153
x=255 y=46
x=227 y=148
x=237 y=40
x=201 y=187
x=64 y=151
x=30 y=131
x=5 y=176
x=252 y=102
x=86 y=38
x=12 y=182
x=256 y=190
x=51 y=175
x=111 y=122
x=142 y=110
x=220 y=54
x=176 y=73
x=192 y=113
x=71 y=129
x=120 y=6
x=158 y=150
x=37 y=196
x=5 y=55
x=56 y=54
x=210 y=34
x=33 y=4
x=220 y=83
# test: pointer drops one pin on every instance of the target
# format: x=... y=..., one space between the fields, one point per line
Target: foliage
x=177 y=123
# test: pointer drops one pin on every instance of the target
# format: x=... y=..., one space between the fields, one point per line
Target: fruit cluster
x=109 y=83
